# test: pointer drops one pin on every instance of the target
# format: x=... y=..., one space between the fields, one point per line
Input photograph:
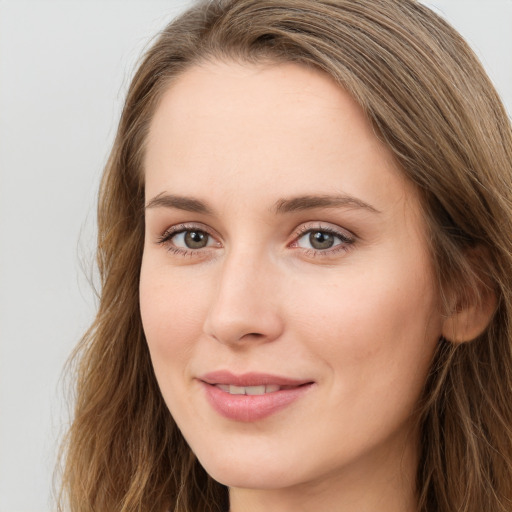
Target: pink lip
x=248 y=408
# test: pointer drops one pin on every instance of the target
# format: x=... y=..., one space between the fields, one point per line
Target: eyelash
x=346 y=241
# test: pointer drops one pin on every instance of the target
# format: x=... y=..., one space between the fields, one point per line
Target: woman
x=306 y=261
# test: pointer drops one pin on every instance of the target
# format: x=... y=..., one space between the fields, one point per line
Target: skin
x=360 y=319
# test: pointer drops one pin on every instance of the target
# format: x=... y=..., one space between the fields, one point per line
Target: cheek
x=377 y=327
x=172 y=312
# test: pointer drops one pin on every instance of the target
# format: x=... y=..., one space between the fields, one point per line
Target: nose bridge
x=244 y=305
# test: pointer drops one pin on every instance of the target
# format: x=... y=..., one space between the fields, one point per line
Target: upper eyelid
x=330 y=228
x=187 y=226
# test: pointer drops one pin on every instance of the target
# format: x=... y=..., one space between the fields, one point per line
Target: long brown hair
x=429 y=99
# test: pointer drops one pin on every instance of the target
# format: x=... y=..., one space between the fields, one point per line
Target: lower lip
x=249 y=408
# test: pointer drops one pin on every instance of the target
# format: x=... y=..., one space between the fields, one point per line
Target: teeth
x=255 y=390
x=236 y=390
x=249 y=390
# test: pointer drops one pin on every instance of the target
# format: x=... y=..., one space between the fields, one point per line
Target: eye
x=322 y=240
x=319 y=240
x=191 y=239
x=187 y=240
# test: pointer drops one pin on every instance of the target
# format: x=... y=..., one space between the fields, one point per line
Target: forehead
x=266 y=128
x=262 y=100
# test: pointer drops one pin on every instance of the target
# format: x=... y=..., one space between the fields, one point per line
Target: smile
x=251 y=390
x=253 y=396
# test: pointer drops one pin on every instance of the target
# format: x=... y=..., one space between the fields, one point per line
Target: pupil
x=196 y=239
x=321 y=240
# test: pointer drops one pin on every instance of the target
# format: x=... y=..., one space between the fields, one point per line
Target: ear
x=471 y=314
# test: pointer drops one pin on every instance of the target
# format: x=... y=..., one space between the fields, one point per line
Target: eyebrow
x=310 y=202
x=282 y=206
x=188 y=204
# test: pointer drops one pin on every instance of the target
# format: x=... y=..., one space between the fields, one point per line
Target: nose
x=245 y=306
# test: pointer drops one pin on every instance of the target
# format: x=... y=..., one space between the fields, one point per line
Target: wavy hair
x=432 y=104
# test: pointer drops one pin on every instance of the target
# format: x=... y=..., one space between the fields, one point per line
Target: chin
x=236 y=477
x=248 y=472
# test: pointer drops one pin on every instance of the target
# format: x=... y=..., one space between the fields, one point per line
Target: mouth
x=251 y=396
x=252 y=390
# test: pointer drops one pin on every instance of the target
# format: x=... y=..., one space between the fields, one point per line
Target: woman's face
x=286 y=289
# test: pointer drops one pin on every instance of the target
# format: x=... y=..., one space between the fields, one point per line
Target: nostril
x=252 y=335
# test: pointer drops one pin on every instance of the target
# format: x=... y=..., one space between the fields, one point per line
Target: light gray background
x=64 y=68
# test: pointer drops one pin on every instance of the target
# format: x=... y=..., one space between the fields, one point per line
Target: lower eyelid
x=186 y=252
x=337 y=251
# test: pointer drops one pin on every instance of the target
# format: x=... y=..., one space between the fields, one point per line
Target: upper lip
x=250 y=379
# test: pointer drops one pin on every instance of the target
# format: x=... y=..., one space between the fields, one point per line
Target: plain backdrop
x=64 y=68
